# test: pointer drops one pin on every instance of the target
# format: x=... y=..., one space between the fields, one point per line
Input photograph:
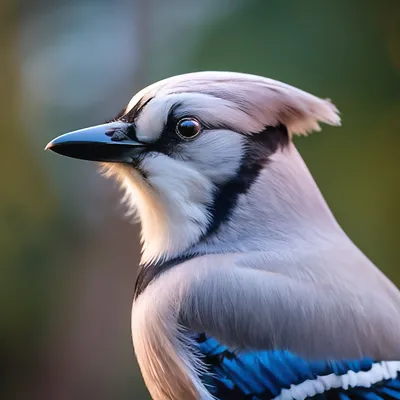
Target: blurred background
x=68 y=258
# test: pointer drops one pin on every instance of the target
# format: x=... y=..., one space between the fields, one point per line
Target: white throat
x=171 y=207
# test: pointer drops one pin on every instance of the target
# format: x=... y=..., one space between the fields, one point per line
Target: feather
x=283 y=375
x=251 y=102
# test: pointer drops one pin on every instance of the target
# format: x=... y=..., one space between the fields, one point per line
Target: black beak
x=107 y=143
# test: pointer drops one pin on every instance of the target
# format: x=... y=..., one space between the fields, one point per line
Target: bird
x=248 y=287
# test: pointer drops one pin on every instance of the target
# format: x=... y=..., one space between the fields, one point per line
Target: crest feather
x=268 y=102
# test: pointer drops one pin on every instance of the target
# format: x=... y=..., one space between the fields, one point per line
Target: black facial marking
x=147 y=273
x=260 y=147
x=137 y=109
x=168 y=140
x=133 y=113
x=131 y=132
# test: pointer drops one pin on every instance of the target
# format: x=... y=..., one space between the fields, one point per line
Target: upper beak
x=107 y=142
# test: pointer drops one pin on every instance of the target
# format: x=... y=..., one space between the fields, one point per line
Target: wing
x=283 y=375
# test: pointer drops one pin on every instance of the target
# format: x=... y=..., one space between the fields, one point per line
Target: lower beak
x=107 y=143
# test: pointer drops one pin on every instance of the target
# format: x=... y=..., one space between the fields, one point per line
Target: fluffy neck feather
x=172 y=207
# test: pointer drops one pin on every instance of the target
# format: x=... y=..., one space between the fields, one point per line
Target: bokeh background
x=67 y=257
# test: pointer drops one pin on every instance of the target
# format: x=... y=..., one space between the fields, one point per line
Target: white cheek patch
x=217 y=154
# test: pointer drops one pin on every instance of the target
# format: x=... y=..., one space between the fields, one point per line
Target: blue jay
x=248 y=288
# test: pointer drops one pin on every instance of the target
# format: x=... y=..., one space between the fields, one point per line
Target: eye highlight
x=188 y=128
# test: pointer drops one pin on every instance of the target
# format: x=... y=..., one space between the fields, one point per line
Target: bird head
x=187 y=148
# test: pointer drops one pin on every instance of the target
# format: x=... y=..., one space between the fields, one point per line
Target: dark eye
x=188 y=128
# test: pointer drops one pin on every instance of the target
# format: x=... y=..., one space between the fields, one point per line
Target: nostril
x=118 y=135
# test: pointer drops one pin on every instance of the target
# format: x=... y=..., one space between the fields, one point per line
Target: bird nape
x=248 y=288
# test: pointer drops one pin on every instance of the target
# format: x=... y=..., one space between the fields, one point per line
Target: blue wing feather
x=265 y=374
